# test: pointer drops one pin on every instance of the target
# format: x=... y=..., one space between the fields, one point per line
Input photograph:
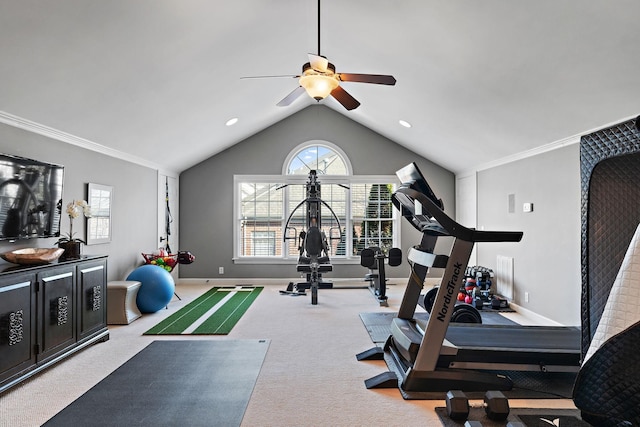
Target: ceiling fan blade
x=318 y=63
x=287 y=100
x=379 y=79
x=269 y=77
x=343 y=97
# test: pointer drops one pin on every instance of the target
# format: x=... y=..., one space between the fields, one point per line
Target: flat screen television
x=30 y=198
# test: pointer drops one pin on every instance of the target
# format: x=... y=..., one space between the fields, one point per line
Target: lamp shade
x=318 y=86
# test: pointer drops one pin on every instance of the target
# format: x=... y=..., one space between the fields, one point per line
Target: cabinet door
x=92 y=291
x=57 y=308
x=17 y=324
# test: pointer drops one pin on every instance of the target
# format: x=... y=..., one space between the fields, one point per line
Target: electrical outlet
x=527 y=207
x=220 y=270
x=526 y=297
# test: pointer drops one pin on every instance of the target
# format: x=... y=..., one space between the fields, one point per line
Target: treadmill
x=429 y=357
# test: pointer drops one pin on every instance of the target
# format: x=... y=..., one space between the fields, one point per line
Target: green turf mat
x=214 y=313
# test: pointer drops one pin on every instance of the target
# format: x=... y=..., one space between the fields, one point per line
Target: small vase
x=71 y=250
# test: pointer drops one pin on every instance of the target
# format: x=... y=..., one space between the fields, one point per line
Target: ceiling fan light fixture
x=318 y=86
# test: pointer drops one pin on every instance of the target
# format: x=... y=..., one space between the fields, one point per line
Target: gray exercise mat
x=169 y=383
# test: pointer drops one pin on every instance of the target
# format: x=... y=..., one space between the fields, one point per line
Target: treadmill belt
x=532 y=338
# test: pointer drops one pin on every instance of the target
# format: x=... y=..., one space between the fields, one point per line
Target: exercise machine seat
x=314 y=246
x=367 y=257
x=607 y=388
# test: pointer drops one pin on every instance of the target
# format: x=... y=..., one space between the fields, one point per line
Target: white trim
x=529 y=153
x=28 y=125
x=526 y=317
x=574 y=139
x=293 y=260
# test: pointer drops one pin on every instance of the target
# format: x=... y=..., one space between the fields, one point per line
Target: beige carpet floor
x=310 y=376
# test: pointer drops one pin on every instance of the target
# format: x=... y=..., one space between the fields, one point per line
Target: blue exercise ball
x=156 y=290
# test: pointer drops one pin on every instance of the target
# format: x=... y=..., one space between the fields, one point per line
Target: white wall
x=547 y=260
x=134 y=208
x=466 y=206
x=206 y=190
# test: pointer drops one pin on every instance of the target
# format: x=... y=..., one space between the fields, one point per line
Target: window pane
x=261 y=219
x=317 y=157
x=372 y=216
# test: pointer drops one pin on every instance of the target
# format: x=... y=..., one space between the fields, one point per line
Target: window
x=99 y=224
x=321 y=157
x=261 y=208
x=356 y=211
x=372 y=216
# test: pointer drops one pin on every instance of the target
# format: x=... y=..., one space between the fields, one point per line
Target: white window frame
x=302 y=180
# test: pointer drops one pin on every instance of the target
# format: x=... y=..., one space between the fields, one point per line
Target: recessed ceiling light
x=232 y=122
x=404 y=123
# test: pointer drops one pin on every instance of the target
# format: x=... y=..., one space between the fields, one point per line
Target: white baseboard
x=524 y=316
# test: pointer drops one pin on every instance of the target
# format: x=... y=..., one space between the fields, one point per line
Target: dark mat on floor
x=378 y=323
x=169 y=383
x=530 y=417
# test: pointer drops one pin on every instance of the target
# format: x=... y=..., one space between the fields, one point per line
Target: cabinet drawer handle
x=60 y=310
x=13 y=327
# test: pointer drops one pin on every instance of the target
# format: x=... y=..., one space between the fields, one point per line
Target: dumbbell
x=457 y=405
x=496 y=405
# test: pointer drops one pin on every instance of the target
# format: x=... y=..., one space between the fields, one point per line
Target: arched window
x=321 y=156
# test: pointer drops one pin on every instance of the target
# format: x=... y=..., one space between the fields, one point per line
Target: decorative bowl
x=33 y=255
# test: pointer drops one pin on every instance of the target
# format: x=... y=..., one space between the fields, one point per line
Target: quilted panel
x=623 y=305
x=608 y=384
x=610 y=204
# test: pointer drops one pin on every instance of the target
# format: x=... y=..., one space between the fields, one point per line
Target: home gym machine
x=429 y=357
x=373 y=258
x=312 y=243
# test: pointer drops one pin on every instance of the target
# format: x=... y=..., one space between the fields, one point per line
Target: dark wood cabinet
x=92 y=292
x=17 y=324
x=49 y=311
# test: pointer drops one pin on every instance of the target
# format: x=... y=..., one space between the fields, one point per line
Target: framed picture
x=99 y=198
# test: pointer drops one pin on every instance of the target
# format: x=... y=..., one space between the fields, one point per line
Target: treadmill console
x=411 y=177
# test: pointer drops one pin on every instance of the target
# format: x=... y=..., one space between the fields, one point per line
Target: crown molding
x=28 y=125
x=530 y=153
x=575 y=139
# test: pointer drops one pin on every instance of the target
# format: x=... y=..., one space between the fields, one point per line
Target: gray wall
x=206 y=190
x=135 y=203
x=547 y=260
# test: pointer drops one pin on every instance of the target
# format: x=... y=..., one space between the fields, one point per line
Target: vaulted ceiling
x=478 y=80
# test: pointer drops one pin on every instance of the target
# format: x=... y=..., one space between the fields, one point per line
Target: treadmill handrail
x=452 y=227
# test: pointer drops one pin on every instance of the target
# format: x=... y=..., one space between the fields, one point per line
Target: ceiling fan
x=319 y=79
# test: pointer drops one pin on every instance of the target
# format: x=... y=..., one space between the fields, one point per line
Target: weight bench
x=373 y=258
